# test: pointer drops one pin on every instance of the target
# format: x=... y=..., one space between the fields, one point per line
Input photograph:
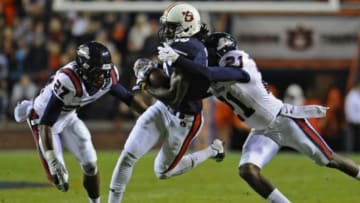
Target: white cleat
x=218 y=146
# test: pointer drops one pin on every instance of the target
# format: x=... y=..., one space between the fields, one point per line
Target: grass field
x=297 y=176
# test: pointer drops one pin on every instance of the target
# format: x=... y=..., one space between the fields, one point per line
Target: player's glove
x=142 y=68
x=58 y=171
x=167 y=54
x=140 y=85
x=22 y=110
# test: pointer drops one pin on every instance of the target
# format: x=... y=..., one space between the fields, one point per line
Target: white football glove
x=167 y=54
x=58 y=171
x=140 y=84
x=142 y=68
x=22 y=110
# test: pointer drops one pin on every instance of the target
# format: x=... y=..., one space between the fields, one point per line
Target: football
x=158 y=78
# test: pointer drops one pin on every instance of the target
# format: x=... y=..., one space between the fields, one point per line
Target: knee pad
x=89 y=169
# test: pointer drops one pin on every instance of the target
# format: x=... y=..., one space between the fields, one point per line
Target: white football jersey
x=251 y=101
x=68 y=86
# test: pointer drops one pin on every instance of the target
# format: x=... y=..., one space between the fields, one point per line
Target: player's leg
x=37 y=139
x=318 y=150
x=144 y=135
x=170 y=160
x=60 y=165
x=258 y=150
x=345 y=165
x=77 y=139
x=62 y=184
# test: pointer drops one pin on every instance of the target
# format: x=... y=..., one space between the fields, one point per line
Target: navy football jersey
x=193 y=49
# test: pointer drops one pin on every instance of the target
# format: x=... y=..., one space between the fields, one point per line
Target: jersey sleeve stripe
x=113 y=77
x=75 y=80
x=193 y=132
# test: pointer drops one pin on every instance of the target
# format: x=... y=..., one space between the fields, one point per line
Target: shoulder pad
x=70 y=80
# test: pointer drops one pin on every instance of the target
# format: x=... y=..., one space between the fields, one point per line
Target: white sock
x=191 y=161
x=96 y=200
x=358 y=175
x=202 y=155
x=277 y=197
x=115 y=197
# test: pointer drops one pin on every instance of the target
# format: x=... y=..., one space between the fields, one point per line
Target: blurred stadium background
x=307 y=50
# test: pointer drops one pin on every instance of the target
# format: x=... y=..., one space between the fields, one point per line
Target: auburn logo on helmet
x=188 y=16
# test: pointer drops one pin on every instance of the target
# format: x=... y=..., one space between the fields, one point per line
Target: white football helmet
x=179 y=20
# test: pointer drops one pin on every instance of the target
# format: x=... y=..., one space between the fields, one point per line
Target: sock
x=96 y=200
x=202 y=155
x=358 y=175
x=115 y=197
x=277 y=197
x=191 y=161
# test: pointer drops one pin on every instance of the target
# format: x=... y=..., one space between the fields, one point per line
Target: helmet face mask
x=94 y=64
x=179 y=20
x=168 y=31
x=96 y=76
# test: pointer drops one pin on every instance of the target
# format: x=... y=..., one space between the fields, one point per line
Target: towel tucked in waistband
x=306 y=111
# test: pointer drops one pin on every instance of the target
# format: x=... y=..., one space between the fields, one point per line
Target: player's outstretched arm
x=128 y=97
x=138 y=105
x=214 y=73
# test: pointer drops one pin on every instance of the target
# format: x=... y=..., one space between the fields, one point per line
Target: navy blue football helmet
x=220 y=42
x=94 y=63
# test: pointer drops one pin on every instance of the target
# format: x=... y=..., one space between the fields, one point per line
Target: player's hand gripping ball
x=148 y=73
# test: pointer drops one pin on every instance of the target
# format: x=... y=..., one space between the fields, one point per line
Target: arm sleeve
x=213 y=73
x=52 y=111
x=121 y=93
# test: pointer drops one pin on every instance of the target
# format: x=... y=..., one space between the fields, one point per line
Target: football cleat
x=218 y=146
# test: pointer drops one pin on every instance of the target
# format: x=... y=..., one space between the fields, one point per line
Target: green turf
x=297 y=176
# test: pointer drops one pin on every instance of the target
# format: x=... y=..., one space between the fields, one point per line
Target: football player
x=53 y=120
x=175 y=119
x=274 y=124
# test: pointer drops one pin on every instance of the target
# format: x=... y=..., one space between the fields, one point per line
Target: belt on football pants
x=179 y=114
